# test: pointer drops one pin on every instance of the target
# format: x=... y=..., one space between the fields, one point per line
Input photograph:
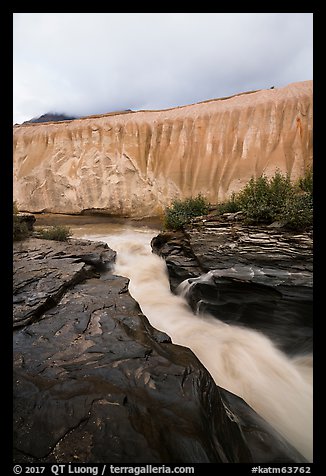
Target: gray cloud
x=88 y=63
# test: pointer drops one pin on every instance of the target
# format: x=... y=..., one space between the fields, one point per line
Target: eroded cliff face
x=134 y=164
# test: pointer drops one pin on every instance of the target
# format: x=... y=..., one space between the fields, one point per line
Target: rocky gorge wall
x=135 y=163
x=95 y=382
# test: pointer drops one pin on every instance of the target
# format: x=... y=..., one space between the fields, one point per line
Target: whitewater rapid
x=241 y=360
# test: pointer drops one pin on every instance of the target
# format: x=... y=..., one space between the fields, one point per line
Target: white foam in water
x=240 y=360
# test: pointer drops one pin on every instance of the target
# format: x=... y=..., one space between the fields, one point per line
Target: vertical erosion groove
x=212 y=148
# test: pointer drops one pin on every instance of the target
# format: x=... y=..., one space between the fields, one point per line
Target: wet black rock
x=44 y=270
x=94 y=382
x=259 y=277
x=218 y=245
x=181 y=261
x=282 y=313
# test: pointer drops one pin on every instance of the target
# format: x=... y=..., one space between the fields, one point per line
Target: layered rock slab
x=256 y=276
x=94 y=382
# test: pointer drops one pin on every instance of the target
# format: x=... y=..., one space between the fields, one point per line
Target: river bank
x=52 y=219
x=89 y=337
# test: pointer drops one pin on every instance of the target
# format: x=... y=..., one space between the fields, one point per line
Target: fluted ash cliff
x=134 y=164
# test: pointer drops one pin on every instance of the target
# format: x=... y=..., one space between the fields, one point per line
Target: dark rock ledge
x=94 y=382
x=255 y=276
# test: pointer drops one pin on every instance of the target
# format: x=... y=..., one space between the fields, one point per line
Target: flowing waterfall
x=240 y=360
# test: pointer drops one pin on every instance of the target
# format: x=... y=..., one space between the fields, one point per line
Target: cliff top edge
x=303 y=85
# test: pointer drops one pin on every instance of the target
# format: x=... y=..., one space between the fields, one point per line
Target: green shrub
x=20 y=229
x=263 y=199
x=280 y=191
x=298 y=212
x=275 y=199
x=231 y=206
x=57 y=232
x=306 y=183
x=253 y=200
x=182 y=211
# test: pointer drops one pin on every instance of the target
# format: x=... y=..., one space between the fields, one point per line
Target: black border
x=6 y=235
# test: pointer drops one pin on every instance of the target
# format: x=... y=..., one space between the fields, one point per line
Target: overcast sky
x=89 y=63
